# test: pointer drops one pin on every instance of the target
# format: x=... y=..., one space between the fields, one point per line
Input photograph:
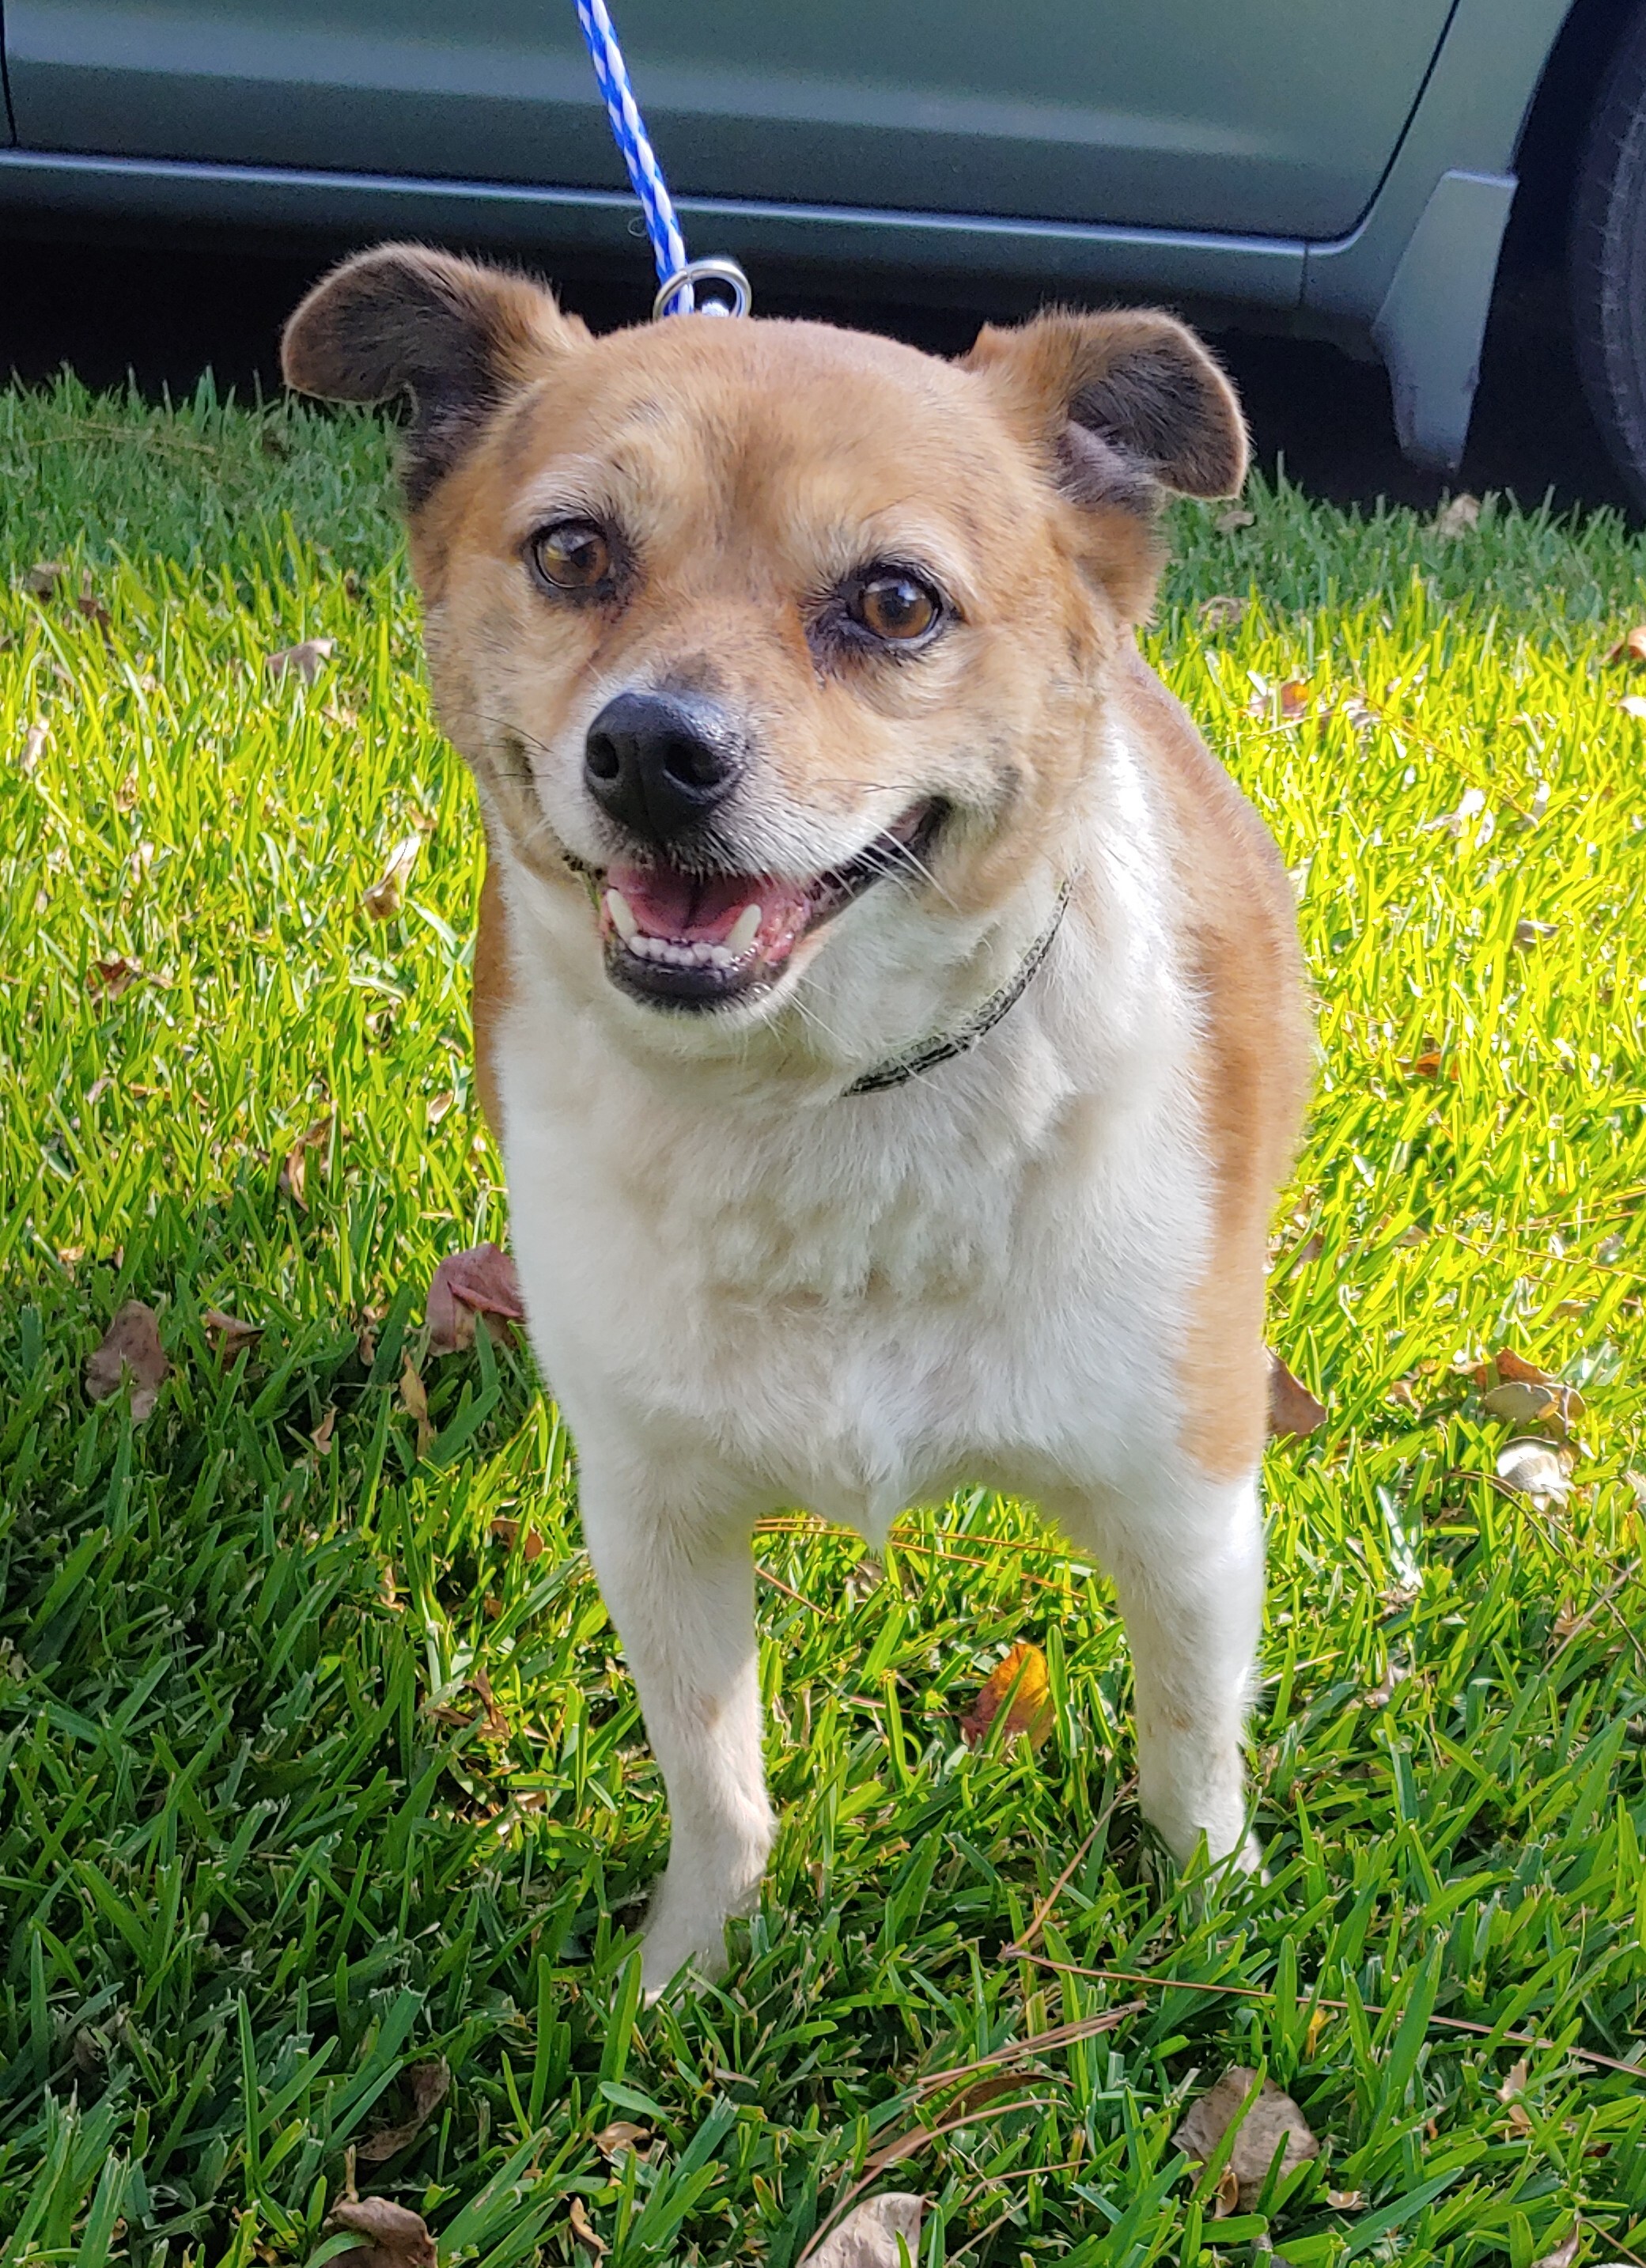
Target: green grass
x=258 y=1848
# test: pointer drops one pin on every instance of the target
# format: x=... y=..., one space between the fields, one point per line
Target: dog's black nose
x=659 y=762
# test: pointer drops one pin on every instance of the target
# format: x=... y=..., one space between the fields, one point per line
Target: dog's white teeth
x=676 y=953
x=742 y=931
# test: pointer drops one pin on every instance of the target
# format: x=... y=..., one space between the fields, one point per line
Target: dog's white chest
x=870 y=1302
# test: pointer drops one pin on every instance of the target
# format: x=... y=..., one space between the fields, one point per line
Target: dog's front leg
x=679 y=1586
x=1188 y=1569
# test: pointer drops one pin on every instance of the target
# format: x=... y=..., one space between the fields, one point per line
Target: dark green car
x=1347 y=167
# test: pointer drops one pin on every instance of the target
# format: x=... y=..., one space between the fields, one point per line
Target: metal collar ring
x=725 y=275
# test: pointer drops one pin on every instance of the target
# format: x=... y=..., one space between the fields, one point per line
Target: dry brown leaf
x=1518 y=1391
x=481 y=1281
x=1031 y=1709
x=322 y=1436
x=1459 y=515
x=507 y=1532
x=130 y=1348
x=1293 y=698
x=1427 y=1065
x=584 y=2232
x=868 y=2236
x=1509 y=2094
x=42 y=579
x=1631 y=647
x=1226 y=2196
x=391 y=2236
x=1221 y=613
x=622 y=2134
x=294 y=1171
x=415 y=1401
x=1293 y=1411
x=294 y=1175
x=496 y=1725
x=428 y=2083
x=387 y=894
x=982 y=2091
x=106 y=980
x=1380 y=1695
x=1521 y=1404
x=1237 y=517
x=1566 y=2252
x=1506 y=1363
x=226 y=1334
x=1346 y=2200
x=1273 y=2115
x=91 y=607
x=305 y=660
x=1535 y=1468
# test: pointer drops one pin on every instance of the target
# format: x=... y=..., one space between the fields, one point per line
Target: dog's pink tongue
x=698 y=910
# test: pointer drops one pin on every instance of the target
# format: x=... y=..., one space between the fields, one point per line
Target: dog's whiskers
x=890 y=854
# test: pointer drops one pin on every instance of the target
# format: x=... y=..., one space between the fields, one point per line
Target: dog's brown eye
x=574 y=554
x=895 y=606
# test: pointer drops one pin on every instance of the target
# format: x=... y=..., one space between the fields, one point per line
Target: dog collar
x=946 y=1045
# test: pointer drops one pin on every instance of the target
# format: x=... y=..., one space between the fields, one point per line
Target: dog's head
x=766 y=637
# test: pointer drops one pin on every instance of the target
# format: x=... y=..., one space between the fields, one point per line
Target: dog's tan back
x=890 y=1012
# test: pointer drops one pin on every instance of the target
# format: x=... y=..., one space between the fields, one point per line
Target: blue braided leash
x=678 y=276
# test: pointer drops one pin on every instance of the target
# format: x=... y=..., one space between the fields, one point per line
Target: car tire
x=1608 y=258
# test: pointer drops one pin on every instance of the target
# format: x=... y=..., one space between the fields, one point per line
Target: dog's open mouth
x=701 y=940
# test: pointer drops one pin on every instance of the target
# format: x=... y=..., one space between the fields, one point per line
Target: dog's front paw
x=667 y=1956
x=1226 y=1849
x=679 y=1936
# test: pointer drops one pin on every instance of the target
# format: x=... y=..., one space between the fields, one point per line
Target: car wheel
x=1608 y=260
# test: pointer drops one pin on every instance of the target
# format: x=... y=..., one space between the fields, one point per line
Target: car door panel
x=1253 y=116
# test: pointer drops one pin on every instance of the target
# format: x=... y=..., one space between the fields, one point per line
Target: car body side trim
x=1045 y=255
x=1431 y=324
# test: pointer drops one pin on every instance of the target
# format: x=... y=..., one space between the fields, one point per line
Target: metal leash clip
x=677 y=294
x=725 y=275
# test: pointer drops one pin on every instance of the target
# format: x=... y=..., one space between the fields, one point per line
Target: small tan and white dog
x=891 y=1014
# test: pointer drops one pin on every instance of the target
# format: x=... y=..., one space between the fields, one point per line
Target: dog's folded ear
x=1128 y=403
x=459 y=337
